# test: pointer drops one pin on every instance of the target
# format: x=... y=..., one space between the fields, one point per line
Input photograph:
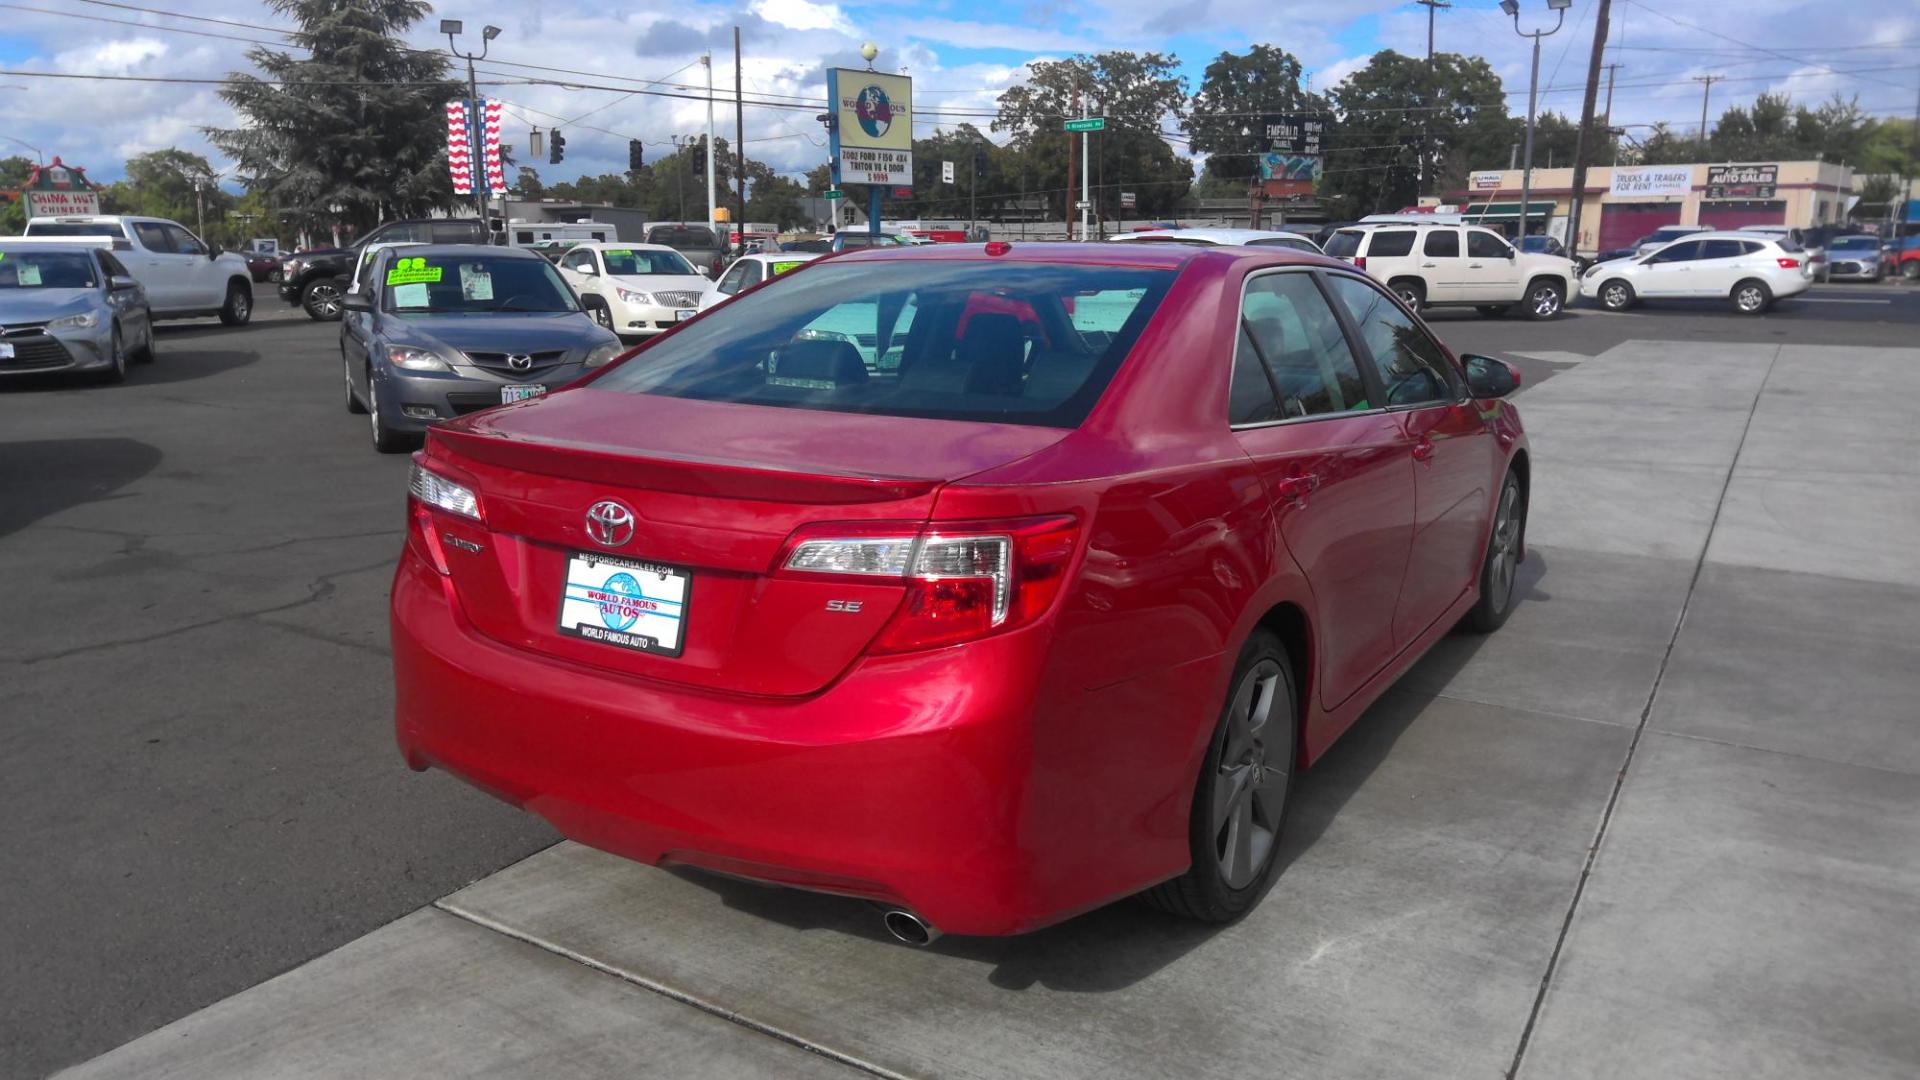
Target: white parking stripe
x=1836 y=300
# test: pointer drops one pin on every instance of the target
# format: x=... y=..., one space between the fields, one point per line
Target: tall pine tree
x=352 y=132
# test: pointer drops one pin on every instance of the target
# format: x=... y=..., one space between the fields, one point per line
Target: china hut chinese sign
x=58 y=190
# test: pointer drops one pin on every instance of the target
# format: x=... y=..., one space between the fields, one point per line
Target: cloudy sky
x=960 y=52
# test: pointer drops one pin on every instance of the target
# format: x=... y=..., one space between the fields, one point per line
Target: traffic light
x=634 y=156
x=700 y=161
x=557 y=148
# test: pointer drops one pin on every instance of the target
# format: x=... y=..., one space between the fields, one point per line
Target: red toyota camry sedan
x=990 y=584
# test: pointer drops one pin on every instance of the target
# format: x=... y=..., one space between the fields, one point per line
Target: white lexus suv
x=1440 y=264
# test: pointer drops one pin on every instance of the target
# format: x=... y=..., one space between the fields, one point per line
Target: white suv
x=1750 y=269
x=1457 y=265
x=182 y=275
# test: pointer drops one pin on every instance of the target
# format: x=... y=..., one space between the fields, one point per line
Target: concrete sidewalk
x=1665 y=823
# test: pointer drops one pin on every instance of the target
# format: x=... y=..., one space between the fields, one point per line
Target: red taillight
x=1788 y=264
x=1359 y=262
x=430 y=494
x=964 y=580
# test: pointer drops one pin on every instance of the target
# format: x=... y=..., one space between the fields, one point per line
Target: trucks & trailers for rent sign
x=873 y=126
x=1651 y=180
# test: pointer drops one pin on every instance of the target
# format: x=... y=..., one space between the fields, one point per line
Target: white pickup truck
x=183 y=276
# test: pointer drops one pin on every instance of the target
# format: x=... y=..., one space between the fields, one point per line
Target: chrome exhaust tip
x=909 y=929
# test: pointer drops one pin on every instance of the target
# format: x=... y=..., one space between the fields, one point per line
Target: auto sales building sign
x=1742 y=181
x=873 y=126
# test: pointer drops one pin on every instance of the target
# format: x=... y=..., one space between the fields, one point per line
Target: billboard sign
x=1295 y=135
x=1651 y=180
x=1484 y=181
x=61 y=203
x=1290 y=167
x=1742 y=181
x=873 y=126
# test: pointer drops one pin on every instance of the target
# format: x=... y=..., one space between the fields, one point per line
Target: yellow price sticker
x=782 y=267
x=629 y=251
x=413 y=271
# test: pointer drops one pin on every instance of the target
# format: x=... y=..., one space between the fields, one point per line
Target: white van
x=1428 y=264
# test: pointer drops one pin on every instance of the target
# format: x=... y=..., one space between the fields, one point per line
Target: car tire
x=146 y=354
x=238 y=309
x=1492 y=311
x=385 y=439
x=1910 y=270
x=353 y=400
x=1238 y=818
x=1752 y=297
x=116 y=371
x=1545 y=299
x=1411 y=291
x=1617 y=295
x=320 y=299
x=1500 y=569
x=597 y=307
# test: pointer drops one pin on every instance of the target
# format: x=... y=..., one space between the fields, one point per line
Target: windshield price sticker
x=29 y=274
x=413 y=295
x=409 y=271
x=618 y=251
x=782 y=267
x=475 y=283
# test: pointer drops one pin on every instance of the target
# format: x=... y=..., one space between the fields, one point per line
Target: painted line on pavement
x=1835 y=300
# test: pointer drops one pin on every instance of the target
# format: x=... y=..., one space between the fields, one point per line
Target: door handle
x=1428 y=266
x=1295 y=489
x=1475 y=266
x=1423 y=450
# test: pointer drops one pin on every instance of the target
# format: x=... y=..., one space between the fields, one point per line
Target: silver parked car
x=70 y=306
x=435 y=331
x=1856 y=258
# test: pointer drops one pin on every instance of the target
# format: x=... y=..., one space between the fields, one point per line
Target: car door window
x=1482 y=244
x=732 y=281
x=578 y=261
x=1441 y=244
x=1291 y=341
x=1412 y=367
x=185 y=242
x=750 y=275
x=454 y=233
x=1721 y=249
x=112 y=266
x=1391 y=242
x=153 y=236
x=1686 y=251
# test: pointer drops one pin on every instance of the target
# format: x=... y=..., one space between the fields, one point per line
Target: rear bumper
x=905 y=782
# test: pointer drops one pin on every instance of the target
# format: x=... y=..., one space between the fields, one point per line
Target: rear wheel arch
x=1522 y=469
x=1288 y=621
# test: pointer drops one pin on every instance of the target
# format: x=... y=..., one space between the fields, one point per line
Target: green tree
x=13 y=177
x=354 y=132
x=1236 y=95
x=1136 y=92
x=527 y=185
x=1390 y=108
x=160 y=183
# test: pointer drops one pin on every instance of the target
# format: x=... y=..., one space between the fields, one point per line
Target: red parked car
x=990 y=627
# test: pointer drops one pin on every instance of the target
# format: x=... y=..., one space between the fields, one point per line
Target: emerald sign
x=1094 y=123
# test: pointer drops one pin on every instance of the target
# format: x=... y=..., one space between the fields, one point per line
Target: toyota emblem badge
x=609 y=524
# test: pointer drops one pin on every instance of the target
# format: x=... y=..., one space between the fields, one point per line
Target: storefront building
x=1623 y=203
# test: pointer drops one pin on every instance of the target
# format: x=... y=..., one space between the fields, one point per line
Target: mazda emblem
x=519 y=362
x=609 y=524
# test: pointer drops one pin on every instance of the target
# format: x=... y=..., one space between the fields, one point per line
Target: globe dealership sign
x=873 y=126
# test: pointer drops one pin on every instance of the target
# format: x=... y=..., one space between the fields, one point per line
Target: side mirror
x=356 y=301
x=589 y=271
x=706 y=272
x=214 y=251
x=121 y=283
x=1490 y=378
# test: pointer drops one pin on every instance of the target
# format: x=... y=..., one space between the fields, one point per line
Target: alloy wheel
x=1546 y=301
x=1250 y=792
x=1750 y=298
x=1505 y=556
x=373 y=409
x=603 y=316
x=1614 y=296
x=323 y=300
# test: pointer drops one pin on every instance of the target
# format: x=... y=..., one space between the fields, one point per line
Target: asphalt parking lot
x=1666 y=823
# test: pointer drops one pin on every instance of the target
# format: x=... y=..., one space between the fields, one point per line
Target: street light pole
x=712 y=200
x=1512 y=8
x=475 y=121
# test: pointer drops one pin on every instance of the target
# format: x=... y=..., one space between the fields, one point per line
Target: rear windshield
x=1344 y=244
x=684 y=236
x=960 y=340
x=76 y=228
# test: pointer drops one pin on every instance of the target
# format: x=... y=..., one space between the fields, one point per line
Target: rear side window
x=454 y=232
x=1344 y=244
x=1391 y=242
x=1289 y=333
x=683 y=236
x=1441 y=244
x=1017 y=343
x=1412 y=368
x=1723 y=249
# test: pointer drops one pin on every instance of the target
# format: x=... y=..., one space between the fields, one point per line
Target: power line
x=1744 y=44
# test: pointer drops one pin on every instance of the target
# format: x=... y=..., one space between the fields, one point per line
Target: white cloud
x=803 y=15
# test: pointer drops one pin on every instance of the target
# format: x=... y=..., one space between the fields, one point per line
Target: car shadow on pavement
x=179 y=365
x=39 y=478
x=1126 y=942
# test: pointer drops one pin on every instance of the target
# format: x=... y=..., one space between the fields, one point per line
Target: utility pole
x=680 y=172
x=1705 y=93
x=713 y=202
x=1512 y=8
x=739 y=145
x=1086 y=174
x=1586 y=125
x=1611 y=133
x=973 y=193
x=1433 y=96
x=1068 y=201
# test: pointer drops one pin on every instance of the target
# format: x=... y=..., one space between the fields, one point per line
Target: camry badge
x=609 y=524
